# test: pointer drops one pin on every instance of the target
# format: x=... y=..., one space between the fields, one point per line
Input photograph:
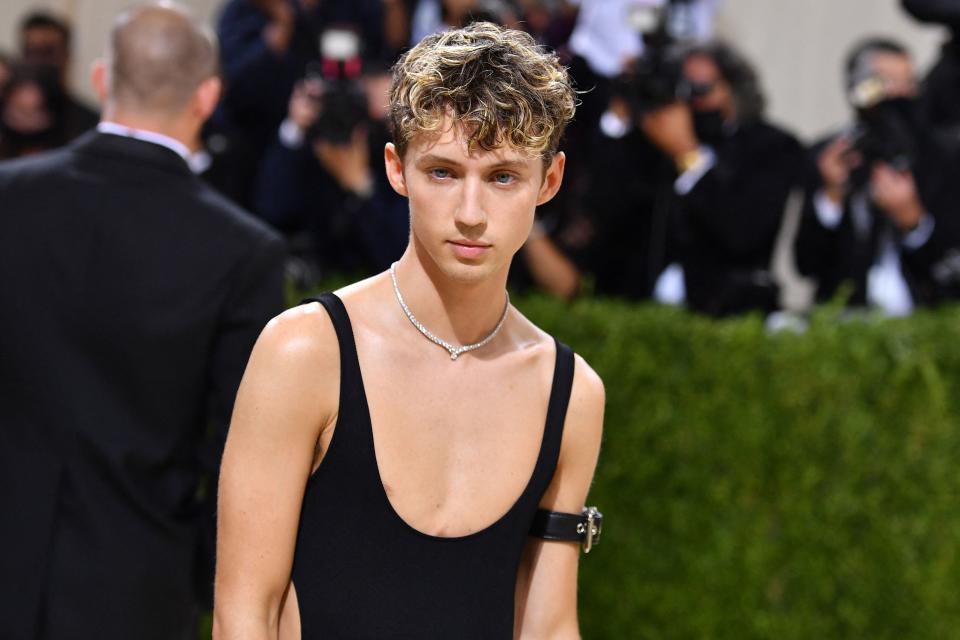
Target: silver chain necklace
x=452 y=350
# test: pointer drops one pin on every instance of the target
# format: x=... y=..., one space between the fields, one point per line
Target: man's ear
x=206 y=97
x=100 y=79
x=394 y=166
x=552 y=178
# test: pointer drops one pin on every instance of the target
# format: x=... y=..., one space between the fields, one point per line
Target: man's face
x=710 y=91
x=470 y=212
x=895 y=71
x=26 y=110
x=45 y=45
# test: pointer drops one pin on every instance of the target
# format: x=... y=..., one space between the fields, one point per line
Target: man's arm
x=546 y=598
x=288 y=397
x=549 y=266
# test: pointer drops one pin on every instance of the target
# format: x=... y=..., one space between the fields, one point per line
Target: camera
x=885 y=129
x=656 y=79
x=337 y=74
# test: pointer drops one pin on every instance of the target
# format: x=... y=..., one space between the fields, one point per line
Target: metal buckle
x=591 y=529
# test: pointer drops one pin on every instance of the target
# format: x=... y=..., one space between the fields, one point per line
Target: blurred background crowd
x=678 y=189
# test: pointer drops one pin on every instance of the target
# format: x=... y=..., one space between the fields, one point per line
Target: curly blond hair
x=498 y=84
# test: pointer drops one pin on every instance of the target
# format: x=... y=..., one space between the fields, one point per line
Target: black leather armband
x=584 y=528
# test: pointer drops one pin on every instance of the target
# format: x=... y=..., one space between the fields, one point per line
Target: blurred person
x=602 y=44
x=881 y=205
x=735 y=172
x=267 y=45
x=611 y=41
x=46 y=40
x=345 y=407
x=31 y=112
x=610 y=37
x=135 y=296
x=698 y=184
x=545 y=265
x=323 y=175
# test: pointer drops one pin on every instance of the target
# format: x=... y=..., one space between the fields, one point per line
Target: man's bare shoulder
x=580 y=447
x=290 y=389
x=299 y=346
x=588 y=396
x=583 y=427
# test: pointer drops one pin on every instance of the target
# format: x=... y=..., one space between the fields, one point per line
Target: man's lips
x=468 y=249
x=469 y=243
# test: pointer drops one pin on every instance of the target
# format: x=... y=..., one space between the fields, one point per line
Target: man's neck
x=460 y=311
x=176 y=129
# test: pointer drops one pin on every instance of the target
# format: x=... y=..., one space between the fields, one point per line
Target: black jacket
x=726 y=226
x=845 y=254
x=132 y=295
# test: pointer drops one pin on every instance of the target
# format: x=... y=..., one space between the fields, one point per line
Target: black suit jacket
x=725 y=228
x=845 y=254
x=131 y=297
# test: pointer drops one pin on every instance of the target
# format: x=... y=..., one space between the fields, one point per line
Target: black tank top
x=361 y=572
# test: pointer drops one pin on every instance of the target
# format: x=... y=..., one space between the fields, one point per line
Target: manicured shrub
x=771 y=486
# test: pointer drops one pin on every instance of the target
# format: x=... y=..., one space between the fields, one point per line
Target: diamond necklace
x=452 y=350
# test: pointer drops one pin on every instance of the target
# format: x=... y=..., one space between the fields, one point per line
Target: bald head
x=159 y=55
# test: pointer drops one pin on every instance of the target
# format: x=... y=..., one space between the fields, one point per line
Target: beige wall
x=798 y=45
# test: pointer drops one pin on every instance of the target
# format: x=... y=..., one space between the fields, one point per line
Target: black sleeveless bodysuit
x=361 y=572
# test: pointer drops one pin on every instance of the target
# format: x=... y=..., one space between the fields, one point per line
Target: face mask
x=889 y=132
x=899 y=110
x=708 y=125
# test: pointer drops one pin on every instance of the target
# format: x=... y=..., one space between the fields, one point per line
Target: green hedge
x=771 y=486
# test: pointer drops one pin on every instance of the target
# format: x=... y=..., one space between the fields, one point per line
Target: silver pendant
x=454 y=351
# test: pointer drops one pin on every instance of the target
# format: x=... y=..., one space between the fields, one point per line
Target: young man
x=398 y=503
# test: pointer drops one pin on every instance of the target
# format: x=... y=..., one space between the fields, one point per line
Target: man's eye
x=503 y=178
x=440 y=173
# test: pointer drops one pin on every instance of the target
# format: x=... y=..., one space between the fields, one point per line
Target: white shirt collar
x=147 y=136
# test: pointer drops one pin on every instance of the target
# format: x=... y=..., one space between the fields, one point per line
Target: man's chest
x=456 y=444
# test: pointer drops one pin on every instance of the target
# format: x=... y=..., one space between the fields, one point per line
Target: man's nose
x=470 y=210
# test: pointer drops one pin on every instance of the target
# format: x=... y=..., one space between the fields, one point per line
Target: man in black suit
x=880 y=212
x=734 y=173
x=132 y=296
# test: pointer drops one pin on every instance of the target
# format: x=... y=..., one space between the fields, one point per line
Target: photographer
x=322 y=177
x=880 y=208
x=734 y=174
x=265 y=46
